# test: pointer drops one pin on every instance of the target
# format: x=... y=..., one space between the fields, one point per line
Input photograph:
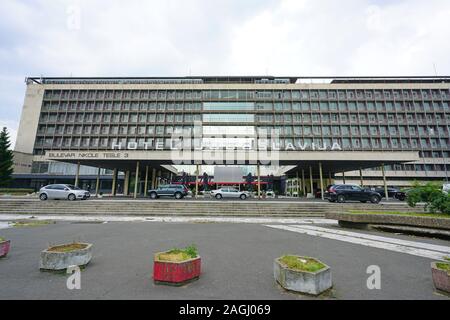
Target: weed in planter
x=67 y=247
x=443 y=266
x=177 y=254
x=301 y=264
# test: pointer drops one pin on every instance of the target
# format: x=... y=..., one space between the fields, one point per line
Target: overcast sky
x=215 y=37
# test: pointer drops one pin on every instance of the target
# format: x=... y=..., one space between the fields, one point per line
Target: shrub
x=430 y=193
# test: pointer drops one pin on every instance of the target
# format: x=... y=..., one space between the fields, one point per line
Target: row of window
x=354 y=118
x=402 y=131
x=345 y=143
x=305 y=118
x=246 y=94
x=266 y=106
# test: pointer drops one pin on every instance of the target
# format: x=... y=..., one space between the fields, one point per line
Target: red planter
x=176 y=273
x=441 y=278
x=4 y=248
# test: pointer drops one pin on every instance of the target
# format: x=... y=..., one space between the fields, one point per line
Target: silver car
x=229 y=192
x=63 y=191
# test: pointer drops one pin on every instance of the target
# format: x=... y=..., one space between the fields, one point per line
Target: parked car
x=178 y=191
x=270 y=194
x=63 y=191
x=392 y=193
x=228 y=192
x=344 y=192
x=446 y=188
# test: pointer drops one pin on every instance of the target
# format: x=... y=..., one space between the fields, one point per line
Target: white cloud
x=288 y=37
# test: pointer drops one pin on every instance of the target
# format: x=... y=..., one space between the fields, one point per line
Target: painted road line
x=258 y=220
x=414 y=244
x=365 y=242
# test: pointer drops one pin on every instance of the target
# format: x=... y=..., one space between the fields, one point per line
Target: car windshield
x=72 y=187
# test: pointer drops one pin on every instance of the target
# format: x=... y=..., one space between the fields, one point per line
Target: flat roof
x=238 y=79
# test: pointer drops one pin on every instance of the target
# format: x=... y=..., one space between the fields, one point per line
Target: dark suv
x=392 y=193
x=344 y=192
x=178 y=191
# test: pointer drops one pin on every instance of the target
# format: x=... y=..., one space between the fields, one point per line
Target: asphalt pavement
x=237 y=263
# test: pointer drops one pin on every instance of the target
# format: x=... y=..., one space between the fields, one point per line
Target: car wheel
x=43 y=197
x=178 y=195
x=243 y=196
x=153 y=195
x=375 y=199
x=340 y=198
x=218 y=196
x=72 y=197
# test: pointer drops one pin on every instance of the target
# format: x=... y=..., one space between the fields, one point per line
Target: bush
x=430 y=193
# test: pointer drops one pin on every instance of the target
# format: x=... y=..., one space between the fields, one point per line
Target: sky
x=217 y=37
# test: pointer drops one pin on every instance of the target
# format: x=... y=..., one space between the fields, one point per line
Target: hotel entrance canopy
x=331 y=161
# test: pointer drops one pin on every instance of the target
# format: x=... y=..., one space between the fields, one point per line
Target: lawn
x=414 y=214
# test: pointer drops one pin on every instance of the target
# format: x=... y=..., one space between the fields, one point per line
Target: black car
x=345 y=192
x=392 y=193
x=178 y=191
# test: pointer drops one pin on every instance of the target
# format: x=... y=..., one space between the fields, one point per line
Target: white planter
x=313 y=283
x=54 y=260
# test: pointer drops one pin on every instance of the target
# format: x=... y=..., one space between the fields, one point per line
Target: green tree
x=431 y=194
x=6 y=159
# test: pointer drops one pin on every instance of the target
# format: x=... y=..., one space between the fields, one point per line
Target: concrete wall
x=29 y=119
x=22 y=162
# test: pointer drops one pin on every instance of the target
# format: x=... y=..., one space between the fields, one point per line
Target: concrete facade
x=401 y=123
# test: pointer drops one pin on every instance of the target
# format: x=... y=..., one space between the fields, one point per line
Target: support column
x=153 y=178
x=298 y=187
x=114 y=182
x=343 y=177
x=97 y=184
x=303 y=183
x=136 y=180
x=311 y=180
x=158 y=181
x=197 y=170
x=384 y=182
x=321 y=180
x=361 y=177
x=77 y=174
x=258 y=172
x=146 y=181
x=126 y=183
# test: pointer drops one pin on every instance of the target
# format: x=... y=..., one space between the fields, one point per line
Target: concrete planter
x=313 y=283
x=4 y=248
x=52 y=259
x=441 y=278
x=176 y=273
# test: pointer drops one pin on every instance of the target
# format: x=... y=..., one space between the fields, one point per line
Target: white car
x=446 y=188
x=63 y=191
x=228 y=192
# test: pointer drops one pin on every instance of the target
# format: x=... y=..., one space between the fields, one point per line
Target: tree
x=431 y=194
x=6 y=159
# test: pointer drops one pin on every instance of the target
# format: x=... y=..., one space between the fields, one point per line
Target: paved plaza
x=237 y=258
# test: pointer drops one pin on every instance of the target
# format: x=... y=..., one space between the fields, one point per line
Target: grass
x=67 y=247
x=2 y=239
x=414 y=214
x=28 y=223
x=301 y=264
x=443 y=266
x=177 y=255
